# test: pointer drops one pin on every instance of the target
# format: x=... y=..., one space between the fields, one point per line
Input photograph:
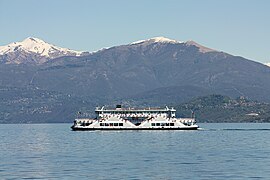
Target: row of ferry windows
x=162 y=124
x=111 y=124
x=137 y=112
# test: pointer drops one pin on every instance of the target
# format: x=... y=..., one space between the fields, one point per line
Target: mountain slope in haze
x=31 y=105
x=218 y=108
x=33 y=50
x=157 y=71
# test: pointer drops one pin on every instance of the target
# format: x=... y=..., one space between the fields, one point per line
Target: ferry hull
x=131 y=128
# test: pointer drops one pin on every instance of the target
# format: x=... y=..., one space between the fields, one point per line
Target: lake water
x=53 y=151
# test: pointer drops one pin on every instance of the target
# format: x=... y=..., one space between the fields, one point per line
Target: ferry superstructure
x=135 y=119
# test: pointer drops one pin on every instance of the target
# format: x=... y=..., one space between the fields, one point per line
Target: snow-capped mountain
x=156 y=40
x=267 y=64
x=164 y=40
x=36 y=51
x=33 y=50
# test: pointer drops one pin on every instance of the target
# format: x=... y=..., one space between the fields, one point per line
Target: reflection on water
x=217 y=151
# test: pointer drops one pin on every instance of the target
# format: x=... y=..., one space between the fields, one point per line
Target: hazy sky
x=239 y=27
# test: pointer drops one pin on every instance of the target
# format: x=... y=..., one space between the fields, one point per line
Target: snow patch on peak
x=38 y=46
x=163 y=40
x=33 y=39
x=202 y=49
x=156 y=40
x=267 y=64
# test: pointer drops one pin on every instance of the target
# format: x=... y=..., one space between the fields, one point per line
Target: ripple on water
x=53 y=151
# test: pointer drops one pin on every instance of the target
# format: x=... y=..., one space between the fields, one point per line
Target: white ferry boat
x=135 y=119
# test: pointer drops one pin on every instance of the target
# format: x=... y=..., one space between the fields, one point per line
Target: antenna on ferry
x=192 y=114
x=79 y=114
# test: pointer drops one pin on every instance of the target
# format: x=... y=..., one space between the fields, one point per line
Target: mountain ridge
x=37 y=51
x=142 y=74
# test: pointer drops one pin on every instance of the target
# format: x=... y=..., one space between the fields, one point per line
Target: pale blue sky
x=239 y=27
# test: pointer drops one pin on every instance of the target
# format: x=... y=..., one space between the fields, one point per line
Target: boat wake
x=235 y=129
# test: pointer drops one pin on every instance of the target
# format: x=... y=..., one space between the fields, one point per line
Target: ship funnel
x=118 y=106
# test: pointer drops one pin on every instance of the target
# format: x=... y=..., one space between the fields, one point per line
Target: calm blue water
x=53 y=151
